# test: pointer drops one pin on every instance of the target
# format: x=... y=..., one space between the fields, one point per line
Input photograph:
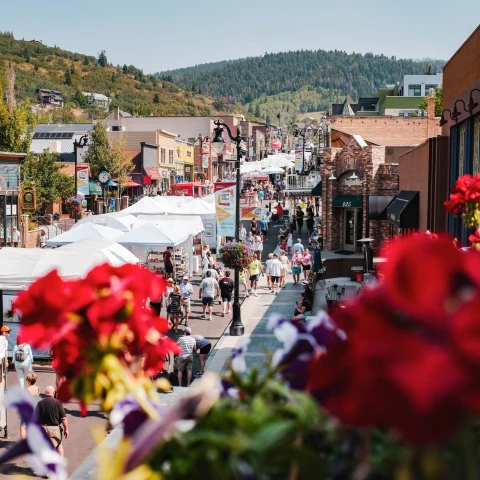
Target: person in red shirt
x=279 y=209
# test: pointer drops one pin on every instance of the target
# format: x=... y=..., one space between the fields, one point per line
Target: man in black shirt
x=50 y=414
x=310 y=224
x=226 y=289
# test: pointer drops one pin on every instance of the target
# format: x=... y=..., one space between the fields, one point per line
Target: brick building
x=461 y=118
x=353 y=177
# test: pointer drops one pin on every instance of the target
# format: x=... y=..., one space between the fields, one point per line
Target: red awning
x=153 y=174
x=131 y=184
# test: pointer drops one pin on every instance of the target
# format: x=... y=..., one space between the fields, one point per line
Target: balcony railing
x=302 y=182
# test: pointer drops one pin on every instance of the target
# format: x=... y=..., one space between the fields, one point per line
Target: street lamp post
x=236 y=326
x=76 y=144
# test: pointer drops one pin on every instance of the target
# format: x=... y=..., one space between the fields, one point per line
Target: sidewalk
x=255 y=314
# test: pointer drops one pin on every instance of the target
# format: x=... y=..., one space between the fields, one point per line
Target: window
x=476 y=145
x=461 y=150
x=170 y=157
x=414 y=90
x=428 y=87
x=401 y=114
x=162 y=155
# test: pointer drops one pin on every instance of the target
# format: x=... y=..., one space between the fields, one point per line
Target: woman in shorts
x=243 y=280
x=175 y=307
x=307 y=261
x=34 y=392
x=203 y=348
x=296 y=266
x=283 y=274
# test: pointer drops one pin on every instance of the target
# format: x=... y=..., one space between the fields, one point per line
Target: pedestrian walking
x=258 y=247
x=168 y=262
x=226 y=290
x=23 y=359
x=255 y=268
x=156 y=304
x=268 y=262
x=185 y=358
x=298 y=247
x=275 y=273
x=175 y=307
x=283 y=274
x=242 y=233
x=263 y=225
x=299 y=217
x=296 y=266
x=289 y=243
x=255 y=198
x=310 y=223
x=203 y=348
x=243 y=280
x=51 y=416
x=186 y=291
x=317 y=206
x=15 y=237
x=307 y=261
x=34 y=392
x=261 y=196
x=168 y=291
x=208 y=288
x=4 y=334
x=253 y=226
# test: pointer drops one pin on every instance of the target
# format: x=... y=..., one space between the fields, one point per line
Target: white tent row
x=118 y=220
x=22 y=266
x=283 y=160
x=85 y=230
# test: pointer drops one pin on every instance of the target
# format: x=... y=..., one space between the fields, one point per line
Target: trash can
x=359 y=277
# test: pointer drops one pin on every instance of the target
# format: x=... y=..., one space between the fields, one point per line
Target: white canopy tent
x=190 y=223
x=146 y=206
x=87 y=230
x=118 y=220
x=273 y=170
x=22 y=266
x=153 y=235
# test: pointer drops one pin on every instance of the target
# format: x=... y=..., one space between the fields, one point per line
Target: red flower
x=86 y=319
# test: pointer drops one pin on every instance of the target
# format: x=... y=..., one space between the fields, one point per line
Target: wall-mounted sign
x=348 y=182
x=29 y=199
x=204 y=161
x=187 y=169
x=164 y=173
x=83 y=186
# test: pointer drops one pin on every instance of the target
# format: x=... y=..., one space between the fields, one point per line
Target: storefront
x=350 y=177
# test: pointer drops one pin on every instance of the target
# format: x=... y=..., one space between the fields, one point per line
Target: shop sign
x=187 y=169
x=83 y=186
x=164 y=173
x=204 y=161
x=205 y=149
x=348 y=182
x=29 y=199
x=346 y=204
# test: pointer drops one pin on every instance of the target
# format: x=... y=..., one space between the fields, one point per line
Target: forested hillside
x=353 y=75
x=39 y=66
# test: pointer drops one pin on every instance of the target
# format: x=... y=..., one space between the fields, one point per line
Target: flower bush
x=235 y=255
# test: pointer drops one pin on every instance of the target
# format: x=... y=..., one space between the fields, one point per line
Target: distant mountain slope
x=245 y=80
x=39 y=66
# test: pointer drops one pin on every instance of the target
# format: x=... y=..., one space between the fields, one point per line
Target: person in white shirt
x=275 y=273
x=185 y=359
x=186 y=291
x=242 y=233
x=23 y=358
x=5 y=333
x=43 y=239
x=258 y=247
x=15 y=237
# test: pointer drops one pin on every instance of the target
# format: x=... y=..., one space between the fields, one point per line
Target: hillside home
x=50 y=97
x=98 y=100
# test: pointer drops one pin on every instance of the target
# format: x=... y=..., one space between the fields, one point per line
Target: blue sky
x=162 y=34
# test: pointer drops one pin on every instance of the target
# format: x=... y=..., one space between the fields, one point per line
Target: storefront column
x=23 y=229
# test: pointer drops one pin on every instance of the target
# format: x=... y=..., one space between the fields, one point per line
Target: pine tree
x=258 y=114
x=72 y=69
x=125 y=69
x=86 y=61
x=102 y=59
x=68 y=78
x=156 y=98
x=26 y=55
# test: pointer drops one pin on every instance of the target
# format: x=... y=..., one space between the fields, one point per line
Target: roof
x=97 y=96
x=47 y=90
x=347 y=109
x=337 y=108
x=12 y=155
x=63 y=128
x=360 y=141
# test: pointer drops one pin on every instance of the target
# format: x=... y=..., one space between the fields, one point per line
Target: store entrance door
x=352 y=228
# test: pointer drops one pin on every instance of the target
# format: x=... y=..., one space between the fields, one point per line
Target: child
x=243 y=281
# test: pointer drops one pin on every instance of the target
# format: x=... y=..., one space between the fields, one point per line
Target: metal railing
x=302 y=182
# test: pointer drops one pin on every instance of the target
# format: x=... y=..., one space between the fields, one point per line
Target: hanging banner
x=298 y=160
x=83 y=187
x=204 y=161
x=257 y=213
x=225 y=198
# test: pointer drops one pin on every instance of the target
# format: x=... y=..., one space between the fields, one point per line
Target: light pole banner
x=204 y=161
x=225 y=198
x=82 y=180
x=298 y=160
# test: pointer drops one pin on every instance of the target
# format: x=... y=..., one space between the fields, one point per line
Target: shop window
x=476 y=145
x=461 y=150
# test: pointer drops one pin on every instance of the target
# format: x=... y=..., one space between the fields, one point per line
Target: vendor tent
x=120 y=221
x=87 y=230
x=255 y=175
x=20 y=266
x=191 y=223
x=273 y=170
x=145 y=205
x=151 y=234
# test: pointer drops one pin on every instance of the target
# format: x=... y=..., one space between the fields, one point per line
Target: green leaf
x=272 y=435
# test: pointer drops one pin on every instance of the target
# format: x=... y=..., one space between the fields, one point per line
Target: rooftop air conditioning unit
x=117 y=128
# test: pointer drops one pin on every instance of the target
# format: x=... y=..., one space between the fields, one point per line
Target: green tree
x=86 y=61
x=125 y=69
x=68 y=77
x=44 y=171
x=72 y=69
x=102 y=59
x=80 y=99
x=258 y=114
x=111 y=155
x=26 y=55
x=156 y=98
x=268 y=120
x=438 y=102
x=16 y=126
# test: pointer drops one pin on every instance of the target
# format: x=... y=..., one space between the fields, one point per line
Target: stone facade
x=375 y=177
